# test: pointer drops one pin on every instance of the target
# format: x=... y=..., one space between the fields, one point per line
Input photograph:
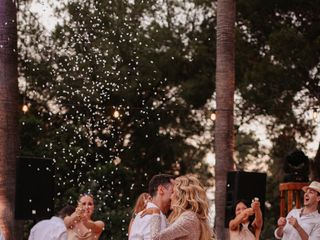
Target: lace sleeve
x=184 y=226
x=155 y=225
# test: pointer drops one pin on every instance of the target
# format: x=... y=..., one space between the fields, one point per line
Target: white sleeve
x=31 y=237
x=276 y=235
x=288 y=215
x=62 y=236
x=315 y=234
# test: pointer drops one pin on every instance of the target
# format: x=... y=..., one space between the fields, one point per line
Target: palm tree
x=225 y=85
x=8 y=116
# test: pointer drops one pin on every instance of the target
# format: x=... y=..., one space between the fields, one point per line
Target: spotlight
x=296 y=167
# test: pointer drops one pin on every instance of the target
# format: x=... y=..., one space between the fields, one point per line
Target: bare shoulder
x=99 y=224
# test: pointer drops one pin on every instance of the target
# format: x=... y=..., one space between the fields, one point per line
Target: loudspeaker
x=244 y=186
x=34 y=188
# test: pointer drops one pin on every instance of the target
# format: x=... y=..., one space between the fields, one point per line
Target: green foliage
x=141 y=59
x=247 y=153
x=115 y=58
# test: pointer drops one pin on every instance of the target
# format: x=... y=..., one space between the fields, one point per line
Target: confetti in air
x=105 y=100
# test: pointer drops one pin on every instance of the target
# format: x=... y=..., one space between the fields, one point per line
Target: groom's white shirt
x=140 y=229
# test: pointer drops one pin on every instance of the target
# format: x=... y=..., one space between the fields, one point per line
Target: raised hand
x=248 y=212
x=80 y=211
x=255 y=205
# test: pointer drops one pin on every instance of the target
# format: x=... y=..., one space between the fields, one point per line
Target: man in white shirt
x=53 y=228
x=160 y=189
x=304 y=223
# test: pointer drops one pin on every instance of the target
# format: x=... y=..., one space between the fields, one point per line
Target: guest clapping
x=303 y=223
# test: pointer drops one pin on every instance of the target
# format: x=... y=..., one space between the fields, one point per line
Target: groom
x=160 y=189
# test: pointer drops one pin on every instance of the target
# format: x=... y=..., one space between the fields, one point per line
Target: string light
x=213 y=116
x=315 y=114
x=116 y=114
x=25 y=108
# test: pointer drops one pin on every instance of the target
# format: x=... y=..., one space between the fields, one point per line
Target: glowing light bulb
x=25 y=108
x=116 y=114
x=213 y=116
x=315 y=115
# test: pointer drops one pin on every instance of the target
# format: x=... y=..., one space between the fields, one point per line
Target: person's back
x=53 y=228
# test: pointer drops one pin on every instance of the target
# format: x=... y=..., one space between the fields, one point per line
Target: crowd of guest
x=178 y=208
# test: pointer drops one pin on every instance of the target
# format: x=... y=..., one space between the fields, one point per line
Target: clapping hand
x=293 y=221
x=282 y=222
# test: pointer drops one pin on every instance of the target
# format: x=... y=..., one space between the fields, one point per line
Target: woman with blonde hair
x=189 y=217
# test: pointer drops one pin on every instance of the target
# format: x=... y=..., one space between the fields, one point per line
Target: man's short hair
x=66 y=211
x=157 y=180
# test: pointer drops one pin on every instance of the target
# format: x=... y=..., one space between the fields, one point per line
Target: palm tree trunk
x=224 y=126
x=8 y=116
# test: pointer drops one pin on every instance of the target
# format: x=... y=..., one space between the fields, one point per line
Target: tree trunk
x=8 y=116
x=224 y=126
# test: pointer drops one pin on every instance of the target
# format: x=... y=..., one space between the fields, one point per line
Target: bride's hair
x=190 y=195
